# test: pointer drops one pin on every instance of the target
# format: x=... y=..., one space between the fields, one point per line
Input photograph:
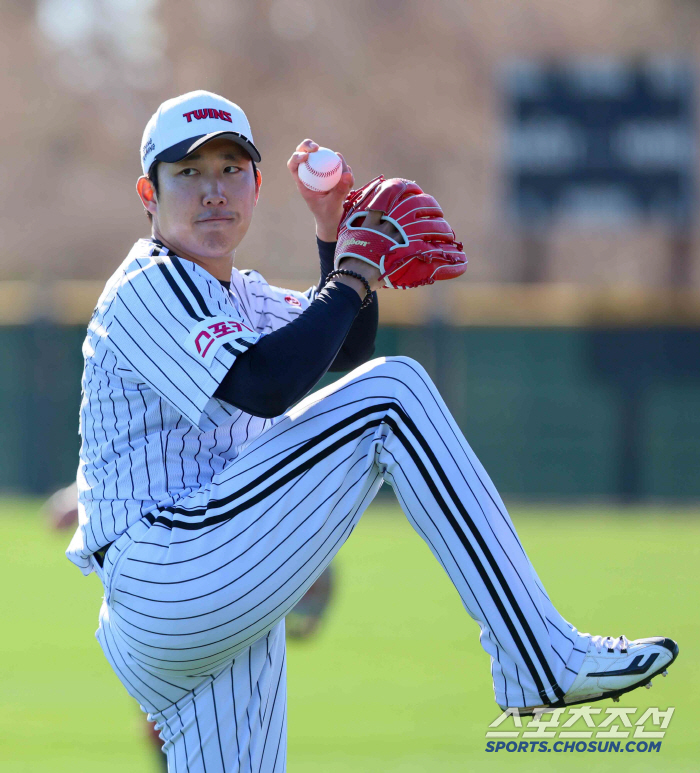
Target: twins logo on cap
x=183 y=124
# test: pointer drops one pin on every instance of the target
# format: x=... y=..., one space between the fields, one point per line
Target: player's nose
x=215 y=196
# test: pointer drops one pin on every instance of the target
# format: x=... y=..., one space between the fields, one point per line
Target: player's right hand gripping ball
x=425 y=248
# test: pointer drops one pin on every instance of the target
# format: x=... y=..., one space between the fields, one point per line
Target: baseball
x=321 y=171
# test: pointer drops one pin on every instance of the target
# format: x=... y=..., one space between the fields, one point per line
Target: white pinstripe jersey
x=162 y=336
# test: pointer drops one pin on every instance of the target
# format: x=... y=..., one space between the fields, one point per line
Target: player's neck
x=220 y=268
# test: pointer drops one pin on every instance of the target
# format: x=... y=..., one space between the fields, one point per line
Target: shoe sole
x=614 y=694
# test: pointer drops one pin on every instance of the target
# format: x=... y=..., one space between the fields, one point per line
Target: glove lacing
x=427 y=256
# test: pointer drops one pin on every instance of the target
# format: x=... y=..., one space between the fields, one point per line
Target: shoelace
x=609 y=643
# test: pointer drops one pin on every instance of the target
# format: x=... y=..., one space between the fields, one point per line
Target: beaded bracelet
x=355 y=275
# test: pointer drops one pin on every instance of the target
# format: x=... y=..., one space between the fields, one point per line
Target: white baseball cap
x=181 y=125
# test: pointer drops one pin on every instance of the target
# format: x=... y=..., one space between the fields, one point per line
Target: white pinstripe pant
x=195 y=595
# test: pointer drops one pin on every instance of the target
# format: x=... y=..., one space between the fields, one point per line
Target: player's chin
x=215 y=239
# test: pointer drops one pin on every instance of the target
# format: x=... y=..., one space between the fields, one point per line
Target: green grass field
x=396 y=680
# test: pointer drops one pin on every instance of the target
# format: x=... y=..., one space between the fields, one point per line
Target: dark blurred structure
x=601 y=143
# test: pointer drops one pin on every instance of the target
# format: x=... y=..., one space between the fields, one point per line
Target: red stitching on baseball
x=321 y=174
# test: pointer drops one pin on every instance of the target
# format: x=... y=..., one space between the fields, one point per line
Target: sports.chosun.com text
x=573 y=746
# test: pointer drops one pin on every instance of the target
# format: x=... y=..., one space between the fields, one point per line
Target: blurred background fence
x=592 y=398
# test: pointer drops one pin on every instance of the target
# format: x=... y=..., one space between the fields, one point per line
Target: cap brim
x=182 y=149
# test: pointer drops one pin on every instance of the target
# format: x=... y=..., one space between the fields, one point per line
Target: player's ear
x=147 y=194
x=258 y=183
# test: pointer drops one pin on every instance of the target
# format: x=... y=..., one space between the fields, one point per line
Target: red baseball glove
x=425 y=248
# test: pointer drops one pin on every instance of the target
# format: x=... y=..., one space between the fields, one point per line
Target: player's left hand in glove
x=422 y=250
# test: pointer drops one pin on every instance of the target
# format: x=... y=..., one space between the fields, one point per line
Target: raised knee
x=401 y=360
x=408 y=366
x=403 y=369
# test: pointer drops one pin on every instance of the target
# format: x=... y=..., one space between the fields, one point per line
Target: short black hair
x=153 y=177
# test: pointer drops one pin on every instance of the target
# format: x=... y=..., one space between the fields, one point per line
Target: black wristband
x=355 y=275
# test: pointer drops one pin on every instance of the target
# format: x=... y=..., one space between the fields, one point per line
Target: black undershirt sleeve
x=359 y=344
x=283 y=366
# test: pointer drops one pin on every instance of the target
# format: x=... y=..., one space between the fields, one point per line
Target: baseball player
x=212 y=492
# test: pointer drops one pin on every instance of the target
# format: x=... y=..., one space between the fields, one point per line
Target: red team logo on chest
x=209 y=335
x=292 y=301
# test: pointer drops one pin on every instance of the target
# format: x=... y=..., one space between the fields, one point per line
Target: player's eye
x=231 y=169
x=188 y=172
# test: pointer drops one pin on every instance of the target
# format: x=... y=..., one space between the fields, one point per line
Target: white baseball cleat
x=616 y=666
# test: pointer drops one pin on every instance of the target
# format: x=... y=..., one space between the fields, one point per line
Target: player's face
x=205 y=202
